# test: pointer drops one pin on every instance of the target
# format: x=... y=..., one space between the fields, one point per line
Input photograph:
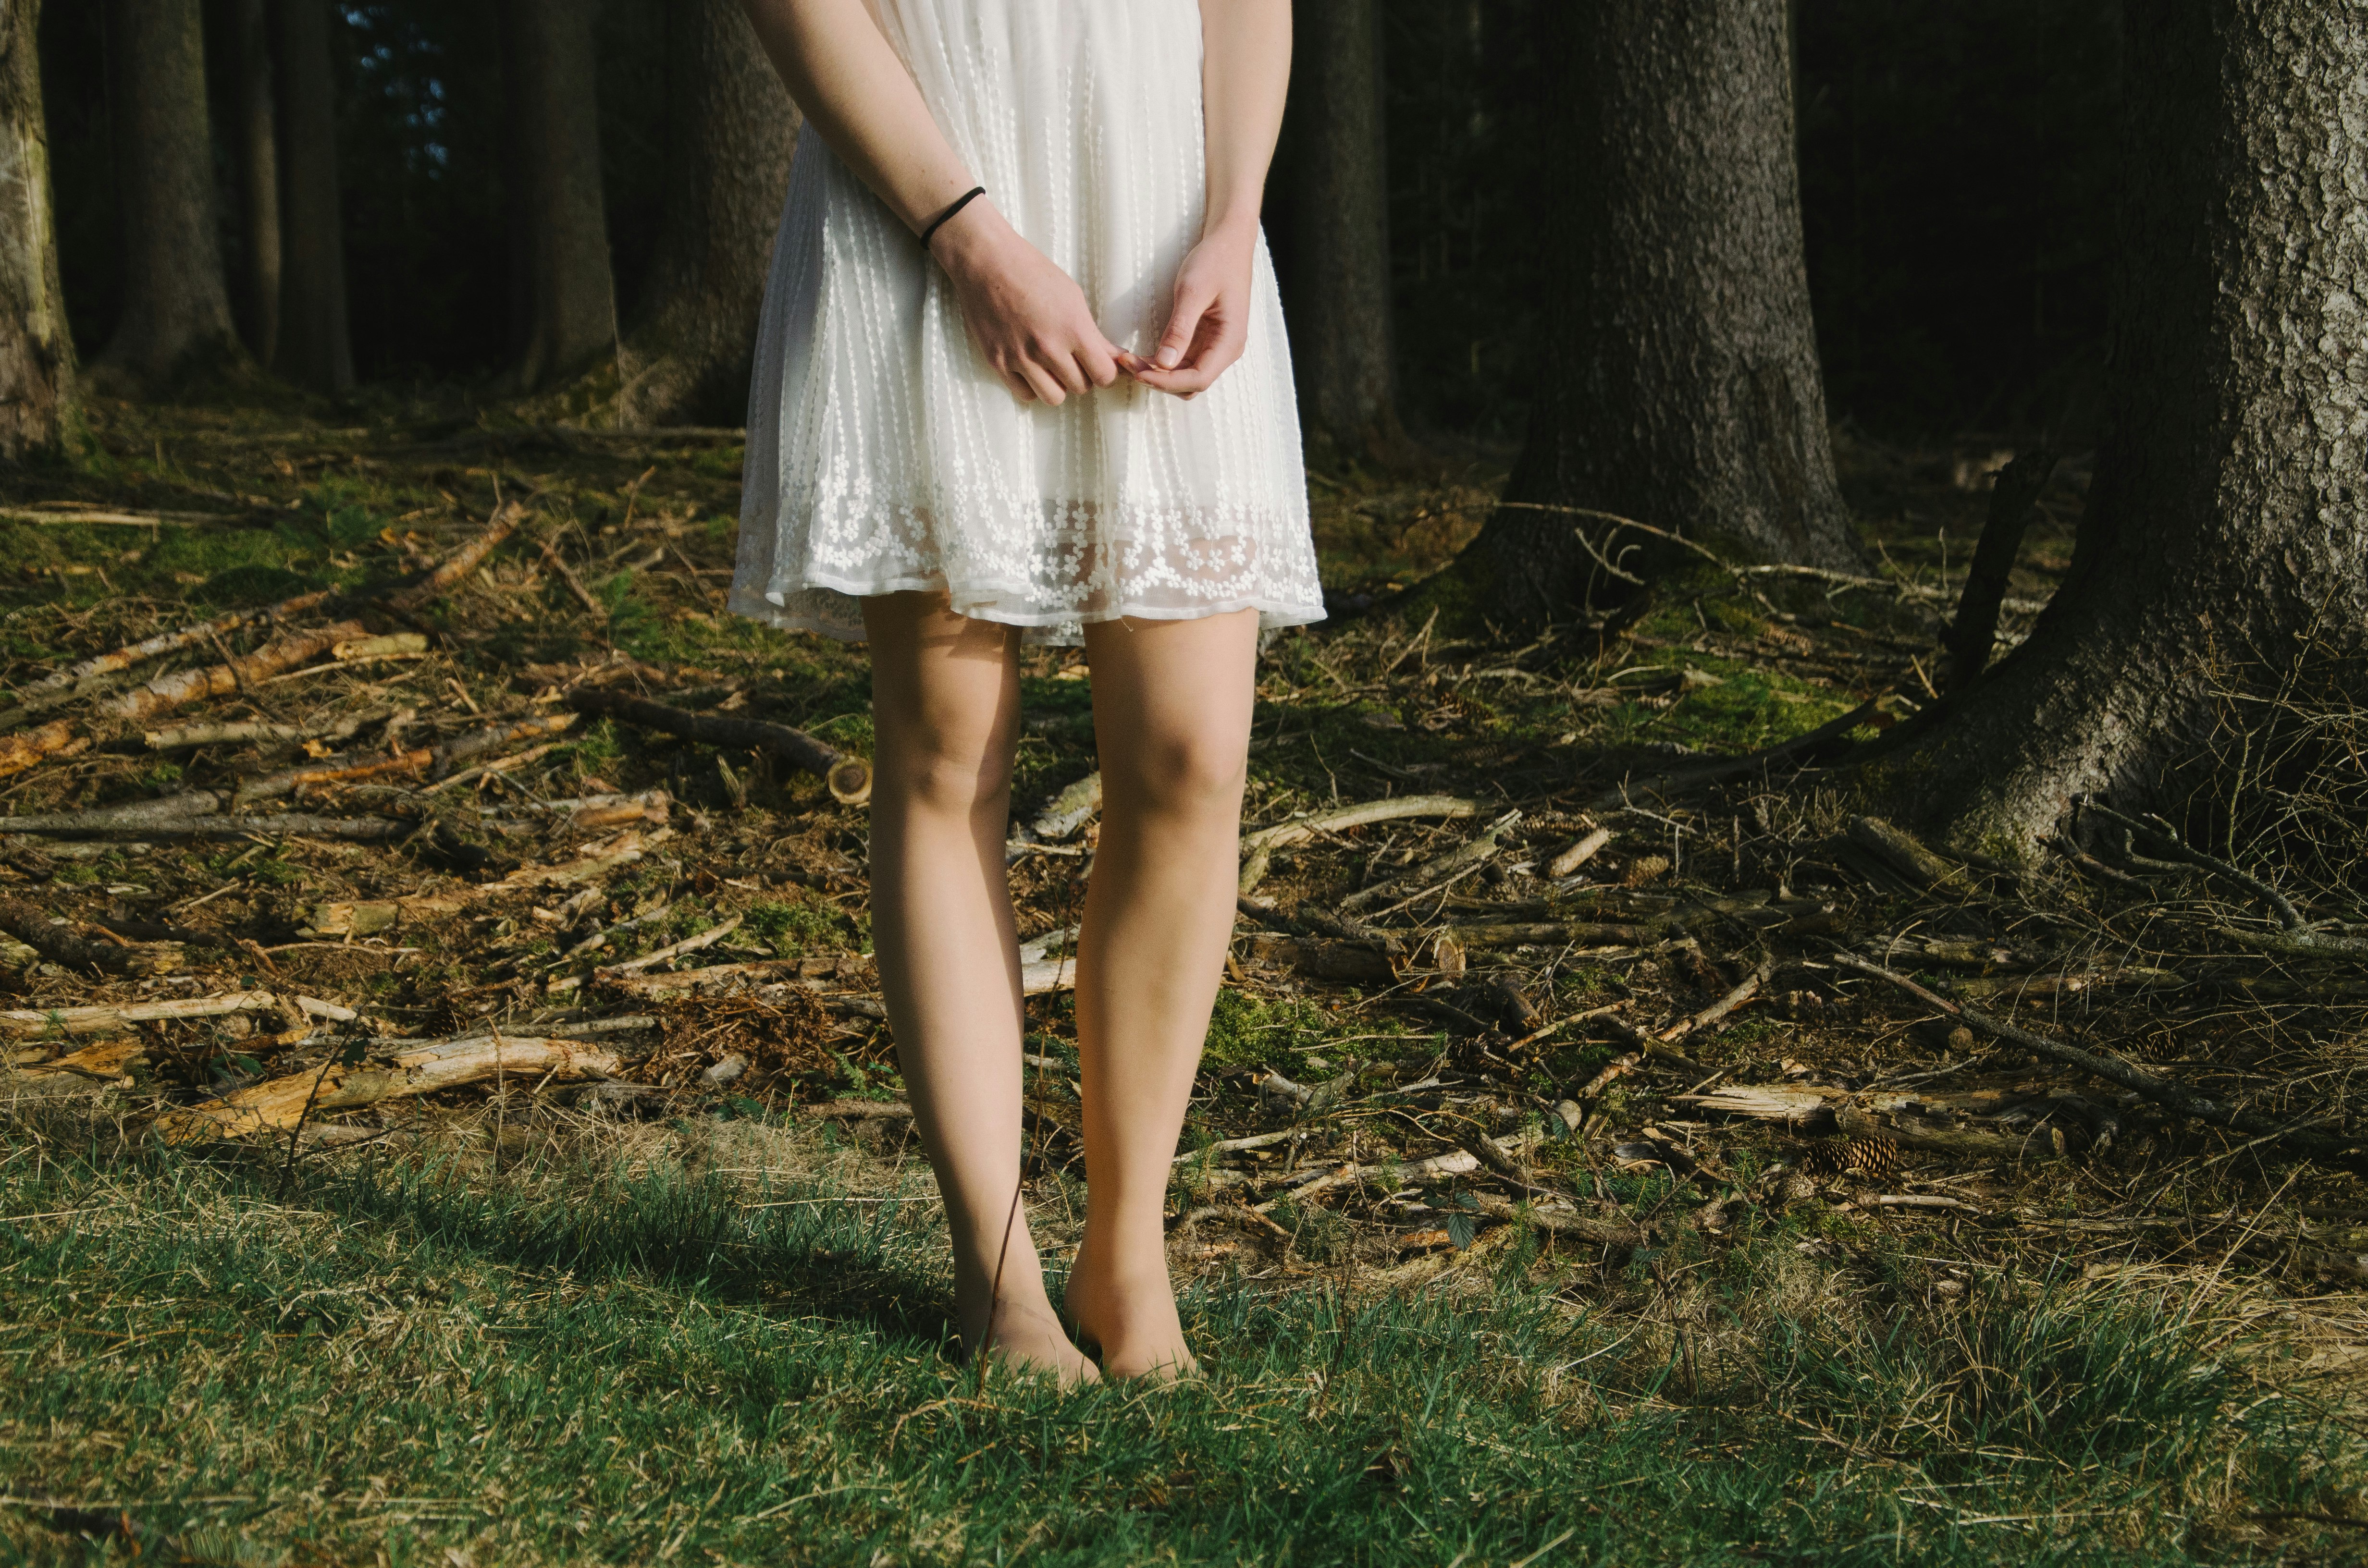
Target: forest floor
x=441 y=1123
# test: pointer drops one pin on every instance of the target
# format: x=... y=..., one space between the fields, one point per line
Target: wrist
x=969 y=235
x=1232 y=223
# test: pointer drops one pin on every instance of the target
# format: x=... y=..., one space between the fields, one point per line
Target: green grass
x=577 y=1363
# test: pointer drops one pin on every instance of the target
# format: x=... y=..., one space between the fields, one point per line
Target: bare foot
x=1132 y=1318
x=1027 y=1338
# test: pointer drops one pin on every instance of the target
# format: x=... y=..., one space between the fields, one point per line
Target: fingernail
x=1168 y=358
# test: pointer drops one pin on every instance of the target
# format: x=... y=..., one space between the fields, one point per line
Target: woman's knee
x=1184 y=772
x=952 y=768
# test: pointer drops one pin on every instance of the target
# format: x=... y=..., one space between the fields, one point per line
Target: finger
x=1046 y=389
x=1100 y=360
x=1216 y=350
x=1062 y=365
x=1191 y=304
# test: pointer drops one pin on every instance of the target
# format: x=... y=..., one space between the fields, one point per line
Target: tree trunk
x=730 y=135
x=36 y=351
x=315 y=347
x=562 y=226
x=1678 y=383
x=254 y=148
x=1341 y=336
x=2226 y=532
x=175 y=304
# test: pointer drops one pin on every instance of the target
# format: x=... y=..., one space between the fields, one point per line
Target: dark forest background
x=1958 y=164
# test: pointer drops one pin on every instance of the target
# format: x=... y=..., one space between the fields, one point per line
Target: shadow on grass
x=595 y=1363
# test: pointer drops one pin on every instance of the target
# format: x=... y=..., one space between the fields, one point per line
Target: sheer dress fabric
x=884 y=454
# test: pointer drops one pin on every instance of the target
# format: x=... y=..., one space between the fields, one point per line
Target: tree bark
x=255 y=147
x=176 y=304
x=2227 y=533
x=730 y=136
x=562 y=226
x=315 y=347
x=36 y=350
x=1679 y=383
x=1340 y=338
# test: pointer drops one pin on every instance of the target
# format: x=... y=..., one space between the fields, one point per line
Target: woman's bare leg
x=1172 y=704
x=945 y=710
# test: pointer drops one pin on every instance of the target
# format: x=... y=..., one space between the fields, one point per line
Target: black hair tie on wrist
x=942 y=219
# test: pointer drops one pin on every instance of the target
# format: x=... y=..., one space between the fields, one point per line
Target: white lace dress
x=884 y=454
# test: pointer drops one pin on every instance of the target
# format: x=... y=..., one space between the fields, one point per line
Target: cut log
x=849 y=778
x=412 y=1068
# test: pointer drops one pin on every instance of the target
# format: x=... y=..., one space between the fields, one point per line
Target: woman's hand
x=1211 y=319
x=1027 y=316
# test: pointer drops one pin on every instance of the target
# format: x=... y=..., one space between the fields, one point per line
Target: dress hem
x=769 y=608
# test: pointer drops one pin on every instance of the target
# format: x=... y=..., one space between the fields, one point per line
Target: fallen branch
x=1936 y=1138
x=476 y=743
x=112 y=516
x=79 y=947
x=1554 y=1221
x=1233 y=1145
x=1905 y=854
x=62 y=686
x=460 y=563
x=183 y=687
x=707 y=938
x=2112 y=1069
x=1256 y=847
x=1481 y=848
x=1324 y=958
x=1570 y=859
x=859 y=1110
x=359 y=829
x=242 y=730
x=2013 y=499
x=330 y=770
x=109 y=1017
x=552 y=558
x=2300 y=936
x=1545 y=934
x=1743 y=993
x=21 y=752
x=159 y=814
x=413 y=1068
x=849 y=778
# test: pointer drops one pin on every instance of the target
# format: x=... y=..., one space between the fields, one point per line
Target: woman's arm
x=1027 y=317
x=1245 y=72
